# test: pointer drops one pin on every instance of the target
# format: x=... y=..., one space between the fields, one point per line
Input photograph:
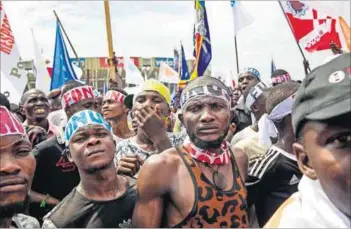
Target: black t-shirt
x=76 y=211
x=273 y=178
x=54 y=174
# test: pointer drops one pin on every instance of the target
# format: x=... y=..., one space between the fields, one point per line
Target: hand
x=129 y=165
x=151 y=122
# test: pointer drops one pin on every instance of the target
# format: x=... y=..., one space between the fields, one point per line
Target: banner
x=104 y=62
x=13 y=77
x=167 y=74
x=168 y=61
x=75 y=61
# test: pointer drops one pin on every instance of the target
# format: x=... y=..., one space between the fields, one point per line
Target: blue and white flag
x=62 y=69
x=241 y=18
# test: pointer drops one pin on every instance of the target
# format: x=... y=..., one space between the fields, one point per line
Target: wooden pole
x=69 y=41
x=297 y=42
x=236 y=55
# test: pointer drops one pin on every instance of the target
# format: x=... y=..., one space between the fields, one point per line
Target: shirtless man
x=199 y=183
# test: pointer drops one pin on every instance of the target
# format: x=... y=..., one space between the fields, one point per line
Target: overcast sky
x=152 y=29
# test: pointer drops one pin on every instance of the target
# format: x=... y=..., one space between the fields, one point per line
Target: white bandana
x=266 y=127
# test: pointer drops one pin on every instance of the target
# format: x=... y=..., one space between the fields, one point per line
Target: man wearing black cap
x=321 y=121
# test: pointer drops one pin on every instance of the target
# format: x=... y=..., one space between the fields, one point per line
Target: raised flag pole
x=69 y=41
x=113 y=76
x=305 y=61
x=236 y=55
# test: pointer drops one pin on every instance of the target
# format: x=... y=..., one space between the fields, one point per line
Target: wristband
x=43 y=202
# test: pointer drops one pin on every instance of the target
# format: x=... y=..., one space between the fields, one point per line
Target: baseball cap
x=149 y=85
x=325 y=93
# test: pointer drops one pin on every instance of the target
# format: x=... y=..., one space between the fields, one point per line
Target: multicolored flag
x=184 y=72
x=62 y=69
x=202 y=41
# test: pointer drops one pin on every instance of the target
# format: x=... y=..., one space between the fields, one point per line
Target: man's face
x=236 y=95
x=17 y=166
x=86 y=104
x=151 y=99
x=247 y=79
x=206 y=120
x=328 y=148
x=112 y=109
x=92 y=148
x=36 y=106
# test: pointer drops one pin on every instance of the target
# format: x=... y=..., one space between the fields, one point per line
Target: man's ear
x=254 y=109
x=69 y=155
x=181 y=118
x=303 y=161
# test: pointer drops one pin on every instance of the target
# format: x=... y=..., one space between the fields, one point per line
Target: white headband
x=266 y=127
x=254 y=94
x=76 y=95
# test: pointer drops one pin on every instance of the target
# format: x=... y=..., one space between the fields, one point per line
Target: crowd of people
x=263 y=154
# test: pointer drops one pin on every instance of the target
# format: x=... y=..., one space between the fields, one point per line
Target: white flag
x=240 y=16
x=133 y=75
x=167 y=74
x=43 y=79
x=13 y=77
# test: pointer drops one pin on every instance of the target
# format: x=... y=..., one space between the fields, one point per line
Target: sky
x=154 y=28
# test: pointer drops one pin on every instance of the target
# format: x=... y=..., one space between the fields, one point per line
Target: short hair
x=206 y=80
x=4 y=101
x=279 y=72
x=27 y=93
x=69 y=85
x=279 y=93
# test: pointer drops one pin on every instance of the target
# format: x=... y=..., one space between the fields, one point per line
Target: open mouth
x=40 y=110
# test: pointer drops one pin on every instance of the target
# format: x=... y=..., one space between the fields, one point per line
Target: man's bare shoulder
x=168 y=159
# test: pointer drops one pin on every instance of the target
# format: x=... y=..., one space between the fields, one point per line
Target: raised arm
x=154 y=182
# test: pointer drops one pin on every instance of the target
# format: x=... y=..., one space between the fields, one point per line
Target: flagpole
x=69 y=41
x=236 y=55
x=297 y=42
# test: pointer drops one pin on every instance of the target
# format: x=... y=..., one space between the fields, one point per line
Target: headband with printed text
x=76 y=95
x=9 y=124
x=81 y=119
x=281 y=78
x=254 y=94
x=206 y=90
x=115 y=96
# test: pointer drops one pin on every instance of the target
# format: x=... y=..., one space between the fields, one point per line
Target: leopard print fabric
x=214 y=208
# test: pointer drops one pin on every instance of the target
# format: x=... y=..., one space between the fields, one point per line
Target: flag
x=133 y=75
x=167 y=74
x=202 y=41
x=43 y=79
x=313 y=31
x=13 y=77
x=184 y=72
x=62 y=69
x=105 y=88
x=273 y=68
x=346 y=31
x=241 y=18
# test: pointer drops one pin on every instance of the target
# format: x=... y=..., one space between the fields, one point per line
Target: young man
x=280 y=76
x=116 y=113
x=247 y=139
x=55 y=176
x=321 y=121
x=150 y=111
x=17 y=167
x=248 y=77
x=102 y=199
x=274 y=177
x=201 y=183
x=35 y=106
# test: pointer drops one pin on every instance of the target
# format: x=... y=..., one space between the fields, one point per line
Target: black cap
x=128 y=101
x=325 y=93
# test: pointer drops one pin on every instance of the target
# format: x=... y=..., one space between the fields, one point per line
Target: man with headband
x=280 y=76
x=150 y=111
x=55 y=175
x=248 y=77
x=247 y=140
x=17 y=167
x=102 y=199
x=321 y=120
x=201 y=183
x=116 y=113
x=274 y=177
